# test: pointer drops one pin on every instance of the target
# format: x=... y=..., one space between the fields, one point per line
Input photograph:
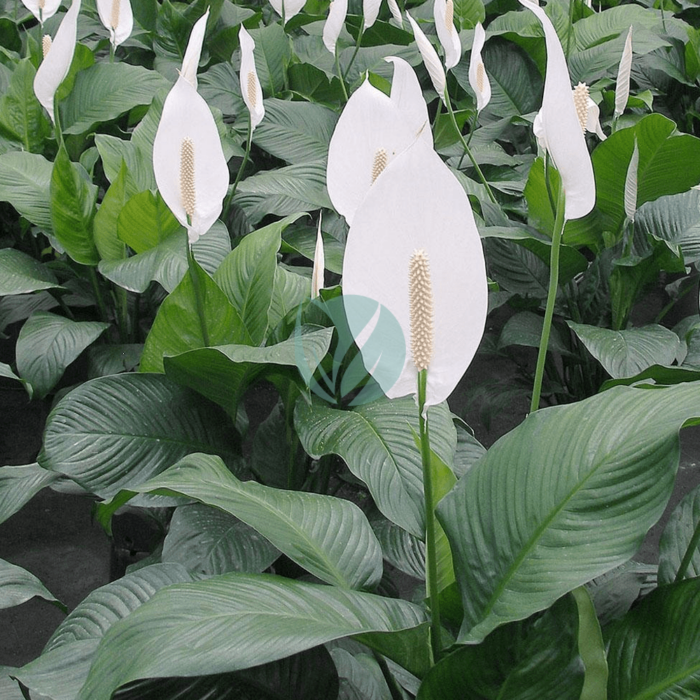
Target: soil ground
x=54 y=538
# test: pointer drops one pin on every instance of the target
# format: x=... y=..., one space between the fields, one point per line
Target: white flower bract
x=118 y=19
x=250 y=84
x=430 y=58
x=478 y=79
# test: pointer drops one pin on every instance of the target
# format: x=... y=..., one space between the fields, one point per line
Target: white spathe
x=430 y=58
x=250 y=83
x=119 y=11
x=334 y=23
x=56 y=64
x=287 y=8
x=418 y=204
x=370 y=10
x=478 y=79
x=317 y=273
x=447 y=33
x=559 y=126
x=42 y=13
x=372 y=130
x=187 y=116
x=622 y=87
x=193 y=52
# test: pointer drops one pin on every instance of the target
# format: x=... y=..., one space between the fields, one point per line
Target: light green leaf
x=298 y=132
x=628 y=352
x=469 y=12
x=290 y=289
x=20 y=273
x=116 y=432
x=400 y=548
x=105 y=91
x=654 y=652
x=105 y=225
x=47 y=344
x=73 y=199
x=210 y=542
x=114 y=150
x=273 y=52
x=249 y=620
x=297 y=523
x=377 y=445
x=25 y=182
x=676 y=539
x=145 y=221
x=17 y=586
x=591 y=647
x=540 y=513
x=360 y=676
x=18 y=485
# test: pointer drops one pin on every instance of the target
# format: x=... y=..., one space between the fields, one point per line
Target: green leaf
x=655 y=651
x=105 y=91
x=114 y=150
x=541 y=514
x=669 y=163
x=283 y=191
x=224 y=373
x=298 y=132
x=17 y=586
x=145 y=221
x=62 y=668
x=73 y=209
x=47 y=344
x=314 y=85
x=195 y=314
x=400 y=548
x=105 y=225
x=290 y=289
x=591 y=647
x=297 y=523
x=360 y=676
x=116 y=432
x=18 y=485
x=20 y=273
x=247 y=276
x=210 y=542
x=21 y=115
x=628 y=352
x=377 y=445
x=249 y=620
x=167 y=262
x=302 y=240
x=677 y=537
x=529 y=660
x=25 y=182
x=525 y=328
x=273 y=52
x=469 y=12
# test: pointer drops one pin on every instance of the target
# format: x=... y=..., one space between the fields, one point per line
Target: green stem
x=467 y=150
x=430 y=529
x=111 y=52
x=551 y=298
x=122 y=307
x=688 y=556
x=239 y=174
x=57 y=123
x=358 y=43
x=199 y=294
x=98 y=294
x=570 y=29
x=340 y=74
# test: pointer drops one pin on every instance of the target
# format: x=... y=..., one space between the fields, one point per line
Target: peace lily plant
x=265 y=264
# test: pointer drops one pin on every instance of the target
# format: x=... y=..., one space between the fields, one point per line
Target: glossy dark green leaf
x=18 y=485
x=20 y=273
x=105 y=225
x=17 y=585
x=25 y=182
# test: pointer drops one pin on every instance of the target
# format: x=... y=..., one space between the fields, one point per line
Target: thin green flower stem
x=111 y=52
x=98 y=294
x=570 y=28
x=688 y=556
x=430 y=530
x=472 y=127
x=340 y=74
x=122 y=307
x=467 y=150
x=57 y=123
x=199 y=293
x=239 y=174
x=358 y=43
x=551 y=298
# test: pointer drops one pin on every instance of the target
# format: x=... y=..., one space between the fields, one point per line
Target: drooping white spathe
x=109 y=10
x=250 y=84
x=317 y=273
x=418 y=204
x=54 y=68
x=193 y=52
x=373 y=130
x=447 y=33
x=559 y=128
x=187 y=116
x=370 y=10
x=334 y=24
x=478 y=79
x=622 y=87
x=42 y=13
x=430 y=58
x=631 y=181
x=287 y=8
x=395 y=11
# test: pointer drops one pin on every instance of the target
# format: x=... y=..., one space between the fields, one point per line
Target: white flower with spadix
x=42 y=9
x=58 y=56
x=117 y=17
x=250 y=84
x=334 y=24
x=188 y=160
x=558 y=127
x=443 y=12
x=587 y=111
x=372 y=130
x=414 y=248
x=478 y=79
